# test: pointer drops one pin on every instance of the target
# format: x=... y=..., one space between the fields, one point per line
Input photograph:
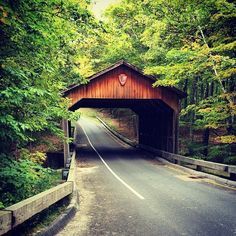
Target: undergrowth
x=23 y=178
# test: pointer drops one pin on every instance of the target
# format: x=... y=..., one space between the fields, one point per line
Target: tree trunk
x=206 y=136
x=206 y=132
x=192 y=113
x=185 y=89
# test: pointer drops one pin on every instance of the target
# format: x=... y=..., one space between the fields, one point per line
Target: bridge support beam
x=65 y=128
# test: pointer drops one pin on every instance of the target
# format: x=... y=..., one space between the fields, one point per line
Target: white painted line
x=114 y=174
x=114 y=137
x=117 y=140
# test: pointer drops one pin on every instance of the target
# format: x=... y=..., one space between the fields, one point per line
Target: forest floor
x=48 y=143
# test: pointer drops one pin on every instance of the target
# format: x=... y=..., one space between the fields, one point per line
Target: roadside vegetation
x=24 y=178
x=40 y=52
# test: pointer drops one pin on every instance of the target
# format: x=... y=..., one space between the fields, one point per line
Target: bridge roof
x=178 y=92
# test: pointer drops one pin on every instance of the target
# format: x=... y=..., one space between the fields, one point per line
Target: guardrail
x=223 y=169
x=16 y=214
x=126 y=140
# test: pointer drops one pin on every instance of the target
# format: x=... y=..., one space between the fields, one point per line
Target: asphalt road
x=124 y=191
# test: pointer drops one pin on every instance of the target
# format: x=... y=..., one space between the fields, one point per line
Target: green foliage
x=216 y=153
x=210 y=113
x=75 y=116
x=41 y=47
x=222 y=154
x=195 y=149
x=188 y=44
x=1 y=205
x=231 y=160
x=22 y=179
x=45 y=46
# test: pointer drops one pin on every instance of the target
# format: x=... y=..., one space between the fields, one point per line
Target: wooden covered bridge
x=123 y=85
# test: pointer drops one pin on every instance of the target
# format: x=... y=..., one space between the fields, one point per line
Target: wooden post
x=69 y=129
x=136 y=124
x=66 y=144
x=176 y=134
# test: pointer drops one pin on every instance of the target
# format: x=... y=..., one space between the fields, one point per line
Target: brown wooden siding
x=107 y=86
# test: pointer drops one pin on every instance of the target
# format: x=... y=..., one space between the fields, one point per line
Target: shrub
x=36 y=157
x=222 y=154
x=22 y=179
x=195 y=149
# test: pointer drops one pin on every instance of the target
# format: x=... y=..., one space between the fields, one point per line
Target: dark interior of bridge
x=156 y=124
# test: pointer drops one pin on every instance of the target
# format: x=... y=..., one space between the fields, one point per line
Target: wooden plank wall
x=136 y=87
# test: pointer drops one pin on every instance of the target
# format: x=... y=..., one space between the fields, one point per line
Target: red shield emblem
x=122 y=79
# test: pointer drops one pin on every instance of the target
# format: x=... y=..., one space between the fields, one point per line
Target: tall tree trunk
x=192 y=114
x=206 y=132
x=206 y=136
x=232 y=88
x=185 y=89
x=221 y=83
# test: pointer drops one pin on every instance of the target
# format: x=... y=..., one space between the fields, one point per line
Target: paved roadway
x=124 y=191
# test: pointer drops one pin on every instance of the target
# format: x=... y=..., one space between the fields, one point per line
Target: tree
x=202 y=56
x=40 y=48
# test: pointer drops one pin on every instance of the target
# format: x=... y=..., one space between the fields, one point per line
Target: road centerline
x=111 y=171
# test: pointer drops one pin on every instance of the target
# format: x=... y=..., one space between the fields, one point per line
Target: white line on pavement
x=114 y=174
x=123 y=144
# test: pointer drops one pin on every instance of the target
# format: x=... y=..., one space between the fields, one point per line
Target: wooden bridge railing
x=222 y=169
x=16 y=214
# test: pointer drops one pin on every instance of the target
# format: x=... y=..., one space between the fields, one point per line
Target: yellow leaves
x=85 y=68
x=166 y=82
x=170 y=71
x=155 y=70
x=195 y=46
x=38 y=157
x=3 y=15
x=231 y=95
x=220 y=109
x=225 y=47
x=188 y=109
x=216 y=58
x=212 y=126
x=205 y=110
x=226 y=139
x=230 y=72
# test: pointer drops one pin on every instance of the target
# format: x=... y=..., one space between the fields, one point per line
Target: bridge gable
x=123 y=81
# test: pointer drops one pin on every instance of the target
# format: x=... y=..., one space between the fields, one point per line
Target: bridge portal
x=123 y=85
